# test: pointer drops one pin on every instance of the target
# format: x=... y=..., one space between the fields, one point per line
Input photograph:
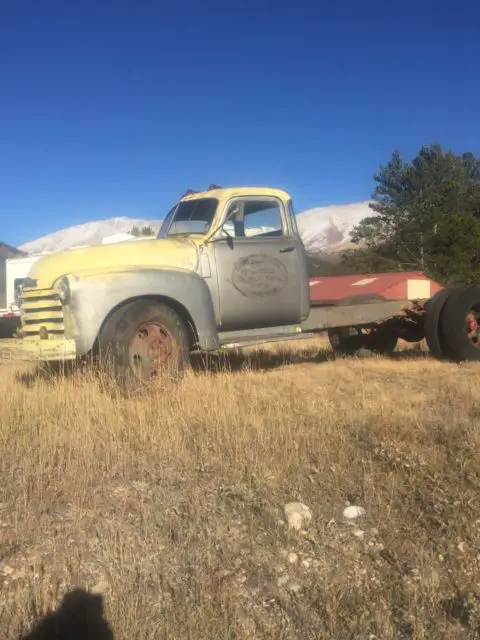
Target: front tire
x=142 y=341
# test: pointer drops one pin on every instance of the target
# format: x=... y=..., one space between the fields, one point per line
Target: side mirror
x=220 y=233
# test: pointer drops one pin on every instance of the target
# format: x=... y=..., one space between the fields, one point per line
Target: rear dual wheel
x=434 y=337
x=460 y=323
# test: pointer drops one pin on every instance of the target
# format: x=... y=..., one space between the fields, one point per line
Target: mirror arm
x=211 y=238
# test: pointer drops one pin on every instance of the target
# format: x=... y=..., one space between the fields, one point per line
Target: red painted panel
x=391 y=286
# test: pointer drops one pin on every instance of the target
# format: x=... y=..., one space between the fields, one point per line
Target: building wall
x=3 y=283
x=6 y=251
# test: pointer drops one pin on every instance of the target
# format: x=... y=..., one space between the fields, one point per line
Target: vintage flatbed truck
x=228 y=269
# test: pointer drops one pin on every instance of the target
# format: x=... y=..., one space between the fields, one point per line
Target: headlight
x=63 y=289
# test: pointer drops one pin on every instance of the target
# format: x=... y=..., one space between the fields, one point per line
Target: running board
x=280 y=337
x=263 y=332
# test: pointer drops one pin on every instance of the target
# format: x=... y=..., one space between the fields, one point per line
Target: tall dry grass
x=170 y=502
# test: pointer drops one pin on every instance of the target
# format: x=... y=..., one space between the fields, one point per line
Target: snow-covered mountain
x=324 y=230
x=90 y=233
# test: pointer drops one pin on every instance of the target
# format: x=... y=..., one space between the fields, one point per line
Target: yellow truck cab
x=228 y=264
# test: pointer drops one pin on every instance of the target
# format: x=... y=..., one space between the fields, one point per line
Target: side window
x=293 y=217
x=255 y=218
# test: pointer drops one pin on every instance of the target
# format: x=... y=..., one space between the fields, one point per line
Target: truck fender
x=95 y=298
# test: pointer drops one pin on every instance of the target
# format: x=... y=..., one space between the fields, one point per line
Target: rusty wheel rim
x=473 y=327
x=151 y=350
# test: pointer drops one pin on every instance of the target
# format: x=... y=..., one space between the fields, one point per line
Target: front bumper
x=26 y=349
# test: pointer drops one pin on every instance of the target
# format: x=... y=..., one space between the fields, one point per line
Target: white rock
x=297 y=514
x=306 y=564
x=294 y=587
x=18 y=575
x=358 y=533
x=282 y=580
x=352 y=512
x=292 y=558
x=101 y=586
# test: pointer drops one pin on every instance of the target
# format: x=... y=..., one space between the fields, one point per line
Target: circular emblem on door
x=259 y=274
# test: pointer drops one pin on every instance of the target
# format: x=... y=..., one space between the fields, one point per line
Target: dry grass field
x=170 y=503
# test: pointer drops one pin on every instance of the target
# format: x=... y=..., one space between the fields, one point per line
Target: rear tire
x=142 y=341
x=433 y=322
x=462 y=336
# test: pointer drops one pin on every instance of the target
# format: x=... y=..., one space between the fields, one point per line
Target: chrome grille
x=41 y=311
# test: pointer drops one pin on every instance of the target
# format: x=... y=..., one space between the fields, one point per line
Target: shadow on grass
x=217 y=363
x=261 y=360
x=463 y=610
x=264 y=360
x=79 y=616
x=221 y=362
x=51 y=372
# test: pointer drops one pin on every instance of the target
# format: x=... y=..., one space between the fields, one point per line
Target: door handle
x=286 y=249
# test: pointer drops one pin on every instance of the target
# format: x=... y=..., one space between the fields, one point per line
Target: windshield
x=191 y=216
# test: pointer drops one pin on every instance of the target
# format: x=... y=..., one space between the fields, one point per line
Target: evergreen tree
x=427 y=217
x=144 y=231
x=147 y=231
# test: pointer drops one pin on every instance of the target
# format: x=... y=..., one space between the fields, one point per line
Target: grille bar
x=42 y=303
x=41 y=309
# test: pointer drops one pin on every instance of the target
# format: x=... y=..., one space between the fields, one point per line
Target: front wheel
x=144 y=340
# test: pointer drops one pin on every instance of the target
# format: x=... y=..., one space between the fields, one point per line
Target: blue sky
x=115 y=107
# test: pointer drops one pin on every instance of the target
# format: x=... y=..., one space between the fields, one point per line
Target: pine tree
x=426 y=216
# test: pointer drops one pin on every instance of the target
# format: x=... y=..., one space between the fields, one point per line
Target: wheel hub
x=151 y=349
x=473 y=328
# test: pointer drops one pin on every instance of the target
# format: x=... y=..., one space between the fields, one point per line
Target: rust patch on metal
x=151 y=348
x=259 y=275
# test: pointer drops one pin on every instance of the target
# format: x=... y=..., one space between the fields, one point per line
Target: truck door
x=257 y=266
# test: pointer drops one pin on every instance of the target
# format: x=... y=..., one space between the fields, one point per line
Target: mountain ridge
x=87 y=233
x=325 y=230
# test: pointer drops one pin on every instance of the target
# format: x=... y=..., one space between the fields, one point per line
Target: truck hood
x=172 y=253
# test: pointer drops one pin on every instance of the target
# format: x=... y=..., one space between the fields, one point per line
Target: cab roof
x=225 y=193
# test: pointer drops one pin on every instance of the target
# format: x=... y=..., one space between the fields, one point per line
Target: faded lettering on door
x=259 y=274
